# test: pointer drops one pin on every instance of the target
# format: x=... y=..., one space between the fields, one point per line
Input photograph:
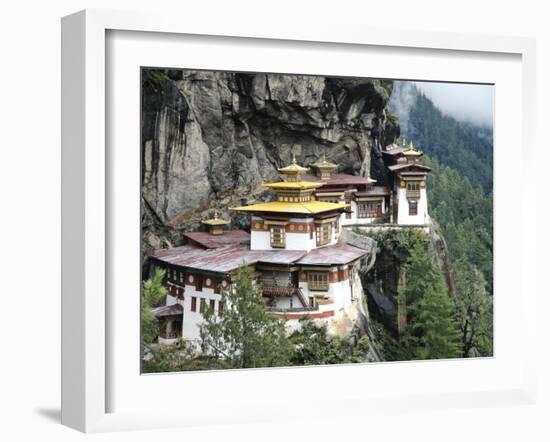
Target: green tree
x=475 y=311
x=152 y=292
x=313 y=346
x=432 y=331
x=246 y=335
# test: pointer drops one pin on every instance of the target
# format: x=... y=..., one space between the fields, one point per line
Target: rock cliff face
x=388 y=276
x=209 y=139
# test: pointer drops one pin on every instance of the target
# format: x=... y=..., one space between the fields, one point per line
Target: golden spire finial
x=411 y=146
x=293 y=158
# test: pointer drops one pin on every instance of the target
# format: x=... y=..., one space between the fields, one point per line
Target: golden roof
x=216 y=221
x=412 y=152
x=324 y=164
x=294 y=168
x=293 y=185
x=306 y=207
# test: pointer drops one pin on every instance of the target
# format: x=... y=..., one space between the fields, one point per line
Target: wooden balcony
x=281 y=291
x=273 y=291
x=413 y=193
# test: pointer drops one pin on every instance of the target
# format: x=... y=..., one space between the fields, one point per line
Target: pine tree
x=432 y=331
x=151 y=294
x=475 y=310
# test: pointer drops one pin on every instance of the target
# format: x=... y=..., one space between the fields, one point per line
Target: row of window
x=176 y=276
x=202 y=302
x=277 y=235
x=317 y=280
x=198 y=280
x=369 y=209
x=413 y=189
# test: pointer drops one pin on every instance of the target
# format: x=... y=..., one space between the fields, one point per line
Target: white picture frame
x=85 y=202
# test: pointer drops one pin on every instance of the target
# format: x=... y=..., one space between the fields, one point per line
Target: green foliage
x=247 y=335
x=179 y=357
x=312 y=346
x=394 y=119
x=399 y=242
x=475 y=310
x=465 y=214
x=460 y=198
x=432 y=331
x=152 y=293
x=153 y=79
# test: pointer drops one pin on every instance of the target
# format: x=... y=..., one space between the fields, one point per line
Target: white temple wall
x=344 y=221
x=403 y=216
x=299 y=241
x=339 y=292
x=261 y=240
x=192 y=320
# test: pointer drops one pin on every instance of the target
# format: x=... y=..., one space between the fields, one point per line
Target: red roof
x=414 y=173
x=228 y=258
x=335 y=254
x=375 y=191
x=339 y=179
x=402 y=166
x=210 y=241
x=167 y=310
x=393 y=149
x=224 y=259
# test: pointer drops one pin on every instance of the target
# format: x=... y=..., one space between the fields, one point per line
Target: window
x=324 y=233
x=370 y=209
x=317 y=280
x=413 y=207
x=198 y=283
x=193 y=304
x=212 y=307
x=220 y=309
x=413 y=189
x=203 y=305
x=277 y=236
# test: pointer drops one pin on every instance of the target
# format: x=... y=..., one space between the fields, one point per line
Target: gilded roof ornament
x=216 y=221
x=322 y=163
x=294 y=168
x=411 y=151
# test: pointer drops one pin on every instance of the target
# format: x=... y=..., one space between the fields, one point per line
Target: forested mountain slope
x=465 y=147
x=460 y=199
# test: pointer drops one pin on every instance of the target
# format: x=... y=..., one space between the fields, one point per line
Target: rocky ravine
x=210 y=139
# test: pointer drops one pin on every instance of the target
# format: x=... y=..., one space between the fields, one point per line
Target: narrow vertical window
x=203 y=305
x=277 y=236
x=413 y=207
x=220 y=309
x=324 y=233
x=212 y=307
x=193 y=304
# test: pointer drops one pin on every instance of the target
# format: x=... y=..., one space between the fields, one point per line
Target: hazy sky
x=465 y=102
